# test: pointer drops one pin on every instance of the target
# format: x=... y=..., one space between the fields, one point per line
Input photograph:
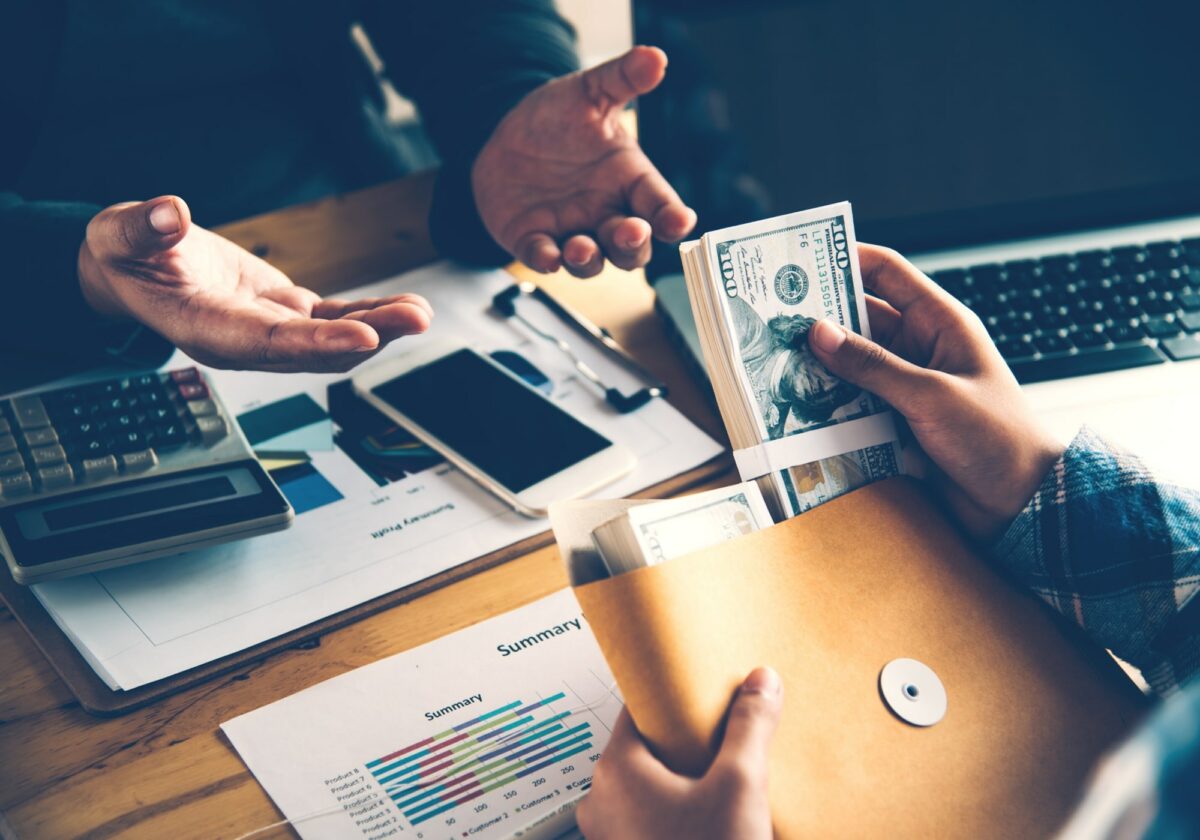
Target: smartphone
x=493 y=425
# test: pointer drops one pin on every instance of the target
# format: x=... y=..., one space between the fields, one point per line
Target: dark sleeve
x=46 y=326
x=1115 y=549
x=465 y=65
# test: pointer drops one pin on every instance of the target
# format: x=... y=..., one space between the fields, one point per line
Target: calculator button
x=90 y=447
x=168 y=436
x=14 y=486
x=193 y=391
x=53 y=478
x=95 y=469
x=47 y=456
x=146 y=380
x=202 y=408
x=41 y=437
x=8 y=443
x=141 y=461
x=30 y=413
x=83 y=429
x=11 y=464
x=212 y=429
x=129 y=441
x=185 y=375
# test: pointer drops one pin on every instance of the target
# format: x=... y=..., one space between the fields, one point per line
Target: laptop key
x=1086 y=362
x=1130 y=255
x=1190 y=321
x=1162 y=328
x=1182 y=348
x=1053 y=343
x=1012 y=348
x=1091 y=336
x=1124 y=332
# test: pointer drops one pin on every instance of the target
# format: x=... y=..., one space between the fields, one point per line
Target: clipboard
x=97 y=698
x=830 y=599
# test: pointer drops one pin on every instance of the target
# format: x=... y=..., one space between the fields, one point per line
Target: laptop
x=1040 y=161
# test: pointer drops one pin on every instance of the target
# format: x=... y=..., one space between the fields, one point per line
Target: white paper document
x=377 y=512
x=488 y=732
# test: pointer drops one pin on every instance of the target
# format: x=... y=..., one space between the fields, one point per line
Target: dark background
x=943 y=122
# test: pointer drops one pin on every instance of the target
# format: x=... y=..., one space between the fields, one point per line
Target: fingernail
x=763 y=681
x=165 y=218
x=828 y=336
x=636 y=241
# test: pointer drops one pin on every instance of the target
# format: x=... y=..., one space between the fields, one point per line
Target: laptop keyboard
x=1088 y=312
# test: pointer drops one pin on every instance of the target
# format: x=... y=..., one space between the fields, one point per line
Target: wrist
x=1032 y=460
x=95 y=288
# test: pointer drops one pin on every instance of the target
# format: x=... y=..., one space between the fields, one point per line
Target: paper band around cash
x=815 y=445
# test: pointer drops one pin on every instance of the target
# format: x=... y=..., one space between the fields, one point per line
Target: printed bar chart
x=478 y=756
x=416 y=746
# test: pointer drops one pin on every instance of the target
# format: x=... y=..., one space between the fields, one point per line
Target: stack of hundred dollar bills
x=755 y=290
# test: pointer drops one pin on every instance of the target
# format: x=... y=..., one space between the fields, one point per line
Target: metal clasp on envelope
x=505 y=303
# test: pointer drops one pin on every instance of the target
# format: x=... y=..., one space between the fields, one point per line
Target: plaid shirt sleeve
x=1118 y=552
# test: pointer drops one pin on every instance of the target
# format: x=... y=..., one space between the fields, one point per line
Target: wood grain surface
x=165 y=771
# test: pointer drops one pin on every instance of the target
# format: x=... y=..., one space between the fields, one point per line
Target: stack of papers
x=376 y=511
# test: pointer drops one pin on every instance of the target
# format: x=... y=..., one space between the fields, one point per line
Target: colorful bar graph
x=473 y=758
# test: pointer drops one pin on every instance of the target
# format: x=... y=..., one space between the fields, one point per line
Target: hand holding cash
x=756 y=290
x=773 y=282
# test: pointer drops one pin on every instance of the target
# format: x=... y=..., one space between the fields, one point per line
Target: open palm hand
x=561 y=182
x=222 y=305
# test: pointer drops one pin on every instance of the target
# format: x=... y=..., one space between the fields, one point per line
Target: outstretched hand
x=562 y=183
x=222 y=305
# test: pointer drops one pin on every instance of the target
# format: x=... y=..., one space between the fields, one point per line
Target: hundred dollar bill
x=649 y=534
x=767 y=283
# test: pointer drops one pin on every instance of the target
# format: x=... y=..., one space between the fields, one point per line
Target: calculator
x=126 y=470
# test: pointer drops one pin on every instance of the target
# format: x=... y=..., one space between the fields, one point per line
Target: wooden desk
x=165 y=771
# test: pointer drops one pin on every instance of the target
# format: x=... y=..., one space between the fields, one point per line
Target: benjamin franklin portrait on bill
x=786 y=377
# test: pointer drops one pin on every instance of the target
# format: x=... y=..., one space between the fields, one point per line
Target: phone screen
x=508 y=430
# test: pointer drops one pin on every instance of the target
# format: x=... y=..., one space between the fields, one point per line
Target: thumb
x=137 y=230
x=753 y=718
x=866 y=364
x=625 y=77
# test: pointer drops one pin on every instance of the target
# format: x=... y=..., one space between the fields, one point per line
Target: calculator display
x=155 y=508
x=134 y=504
